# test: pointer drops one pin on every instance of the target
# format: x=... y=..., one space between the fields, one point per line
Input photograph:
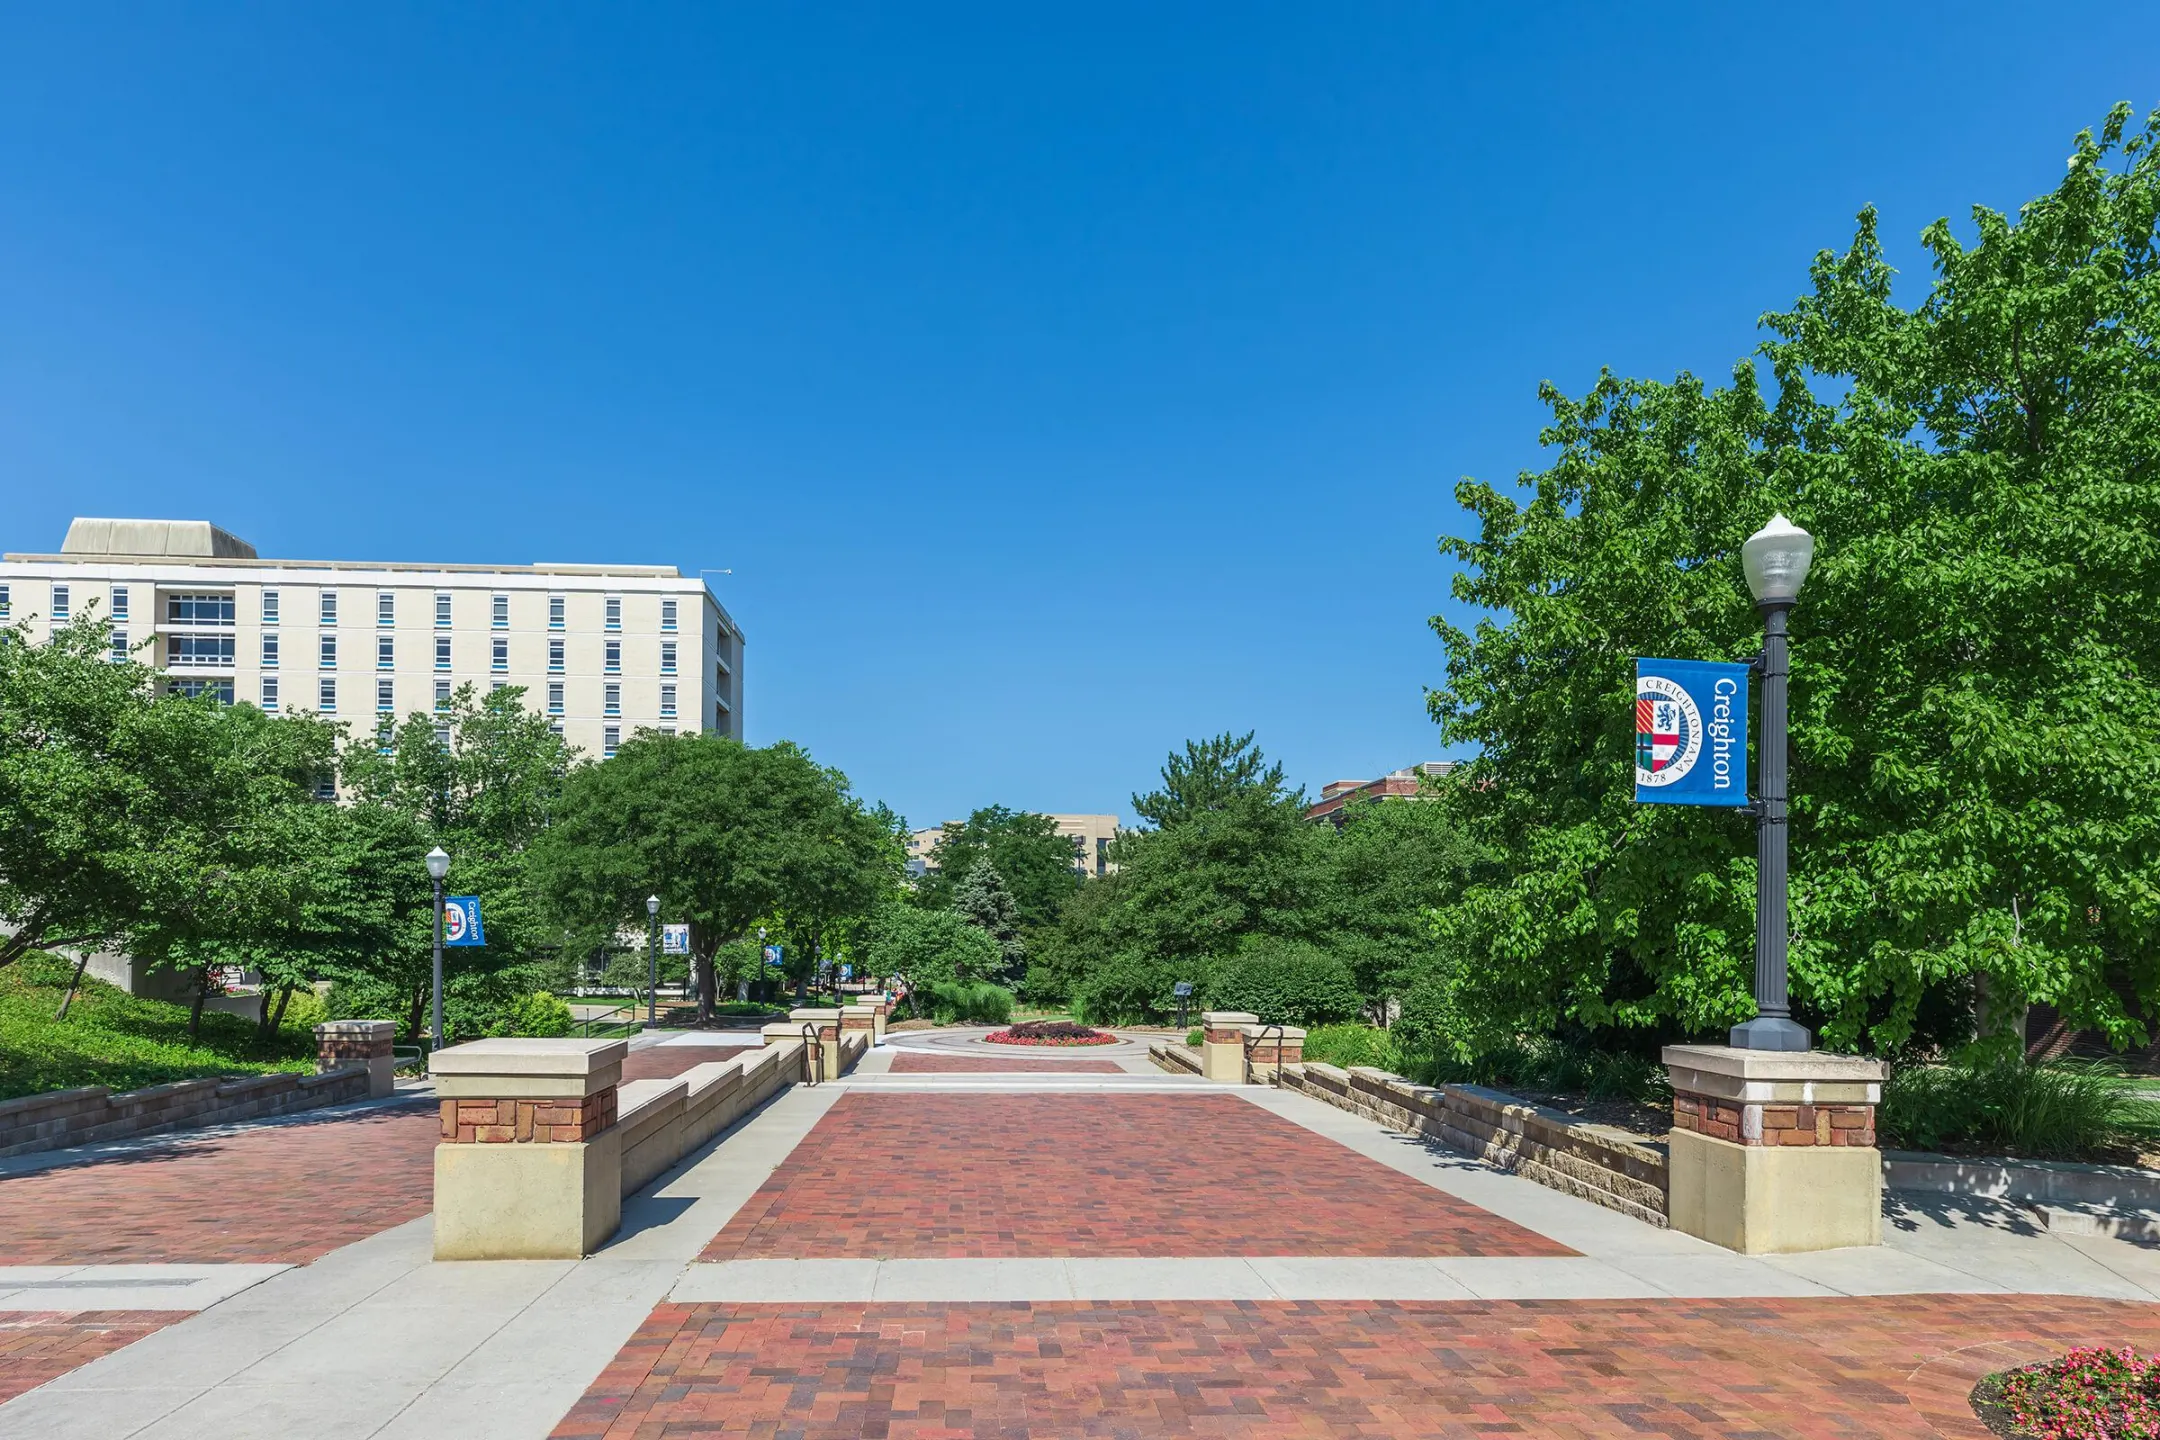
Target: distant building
x=1090 y=836
x=1338 y=794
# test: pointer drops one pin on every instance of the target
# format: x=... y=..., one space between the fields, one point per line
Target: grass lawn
x=112 y=1038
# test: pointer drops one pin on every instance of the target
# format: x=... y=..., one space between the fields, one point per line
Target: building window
x=442 y=736
x=611 y=699
x=555 y=697
x=668 y=730
x=499 y=612
x=7 y=605
x=555 y=729
x=119 y=602
x=610 y=738
x=614 y=658
x=555 y=656
x=442 y=694
x=385 y=653
x=328 y=644
x=442 y=652
x=326 y=787
x=199 y=609
x=1102 y=854
x=218 y=690
x=667 y=614
x=329 y=607
x=269 y=607
x=495 y=685
x=500 y=658
x=442 y=609
x=667 y=700
x=59 y=602
x=667 y=657
x=555 y=612
x=269 y=692
x=386 y=695
x=614 y=612
x=199 y=652
x=119 y=647
x=269 y=652
x=326 y=696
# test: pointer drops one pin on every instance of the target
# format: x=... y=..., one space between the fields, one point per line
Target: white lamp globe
x=1776 y=559
x=438 y=864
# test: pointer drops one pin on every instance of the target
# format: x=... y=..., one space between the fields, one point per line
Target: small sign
x=847 y=972
x=1182 y=990
x=1690 y=732
x=674 y=939
x=772 y=954
x=461 y=921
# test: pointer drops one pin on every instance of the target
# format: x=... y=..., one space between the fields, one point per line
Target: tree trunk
x=82 y=961
x=267 y=1023
x=705 y=988
x=194 y=1019
x=412 y=1014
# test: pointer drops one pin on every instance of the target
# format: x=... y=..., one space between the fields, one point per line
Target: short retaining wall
x=2117 y=1187
x=663 y=1120
x=1597 y=1163
x=61 y=1118
x=1178 y=1059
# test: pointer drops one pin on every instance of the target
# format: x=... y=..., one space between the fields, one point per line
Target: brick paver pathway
x=279 y=1193
x=915 y=1062
x=897 y=1176
x=665 y=1062
x=36 y=1346
x=1805 y=1369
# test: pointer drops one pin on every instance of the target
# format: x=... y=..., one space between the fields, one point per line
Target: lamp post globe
x=1775 y=559
x=438 y=869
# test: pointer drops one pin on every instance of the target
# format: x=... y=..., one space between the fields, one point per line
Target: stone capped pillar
x=1222 y=1045
x=1774 y=1151
x=341 y=1042
x=825 y=1019
x=1266 y=1043
x=529 y=1165
x=863 y=1018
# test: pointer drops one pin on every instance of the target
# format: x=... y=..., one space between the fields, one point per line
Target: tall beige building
x=1090 y=836
x=602 y=650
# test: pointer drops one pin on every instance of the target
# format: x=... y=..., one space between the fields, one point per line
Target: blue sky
x=1056 y=385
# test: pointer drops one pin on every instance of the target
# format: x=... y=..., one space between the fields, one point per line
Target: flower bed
x=1050 y=1032
x=2087 y=1393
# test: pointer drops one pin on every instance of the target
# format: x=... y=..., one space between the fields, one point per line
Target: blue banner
x=1690 y=733
x=461 y=921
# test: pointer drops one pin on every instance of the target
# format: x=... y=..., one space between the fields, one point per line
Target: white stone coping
x=516 y=1056
x=1223 y=1019
x=1259 y=1033
x=356 y=1029
x=1789 y=1066
x=814 y=1012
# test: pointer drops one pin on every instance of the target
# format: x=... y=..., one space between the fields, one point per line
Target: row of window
x=386 y=695
x=210 y=651
x=218 y=609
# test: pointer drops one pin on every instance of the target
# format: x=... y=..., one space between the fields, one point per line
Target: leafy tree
x=1215 y=774
x=984 y=902
x=842 y=859
x=929 y=947
x=1395 y=865
x=1035 y=861
x=1291 y=982
x=1974 y=737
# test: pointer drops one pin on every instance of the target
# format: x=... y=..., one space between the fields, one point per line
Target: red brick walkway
x=1813 y=1369
x=915 y=1176
x=36 y=1346
x=912 y=1062
x=280 y=1193
x=665 y=1062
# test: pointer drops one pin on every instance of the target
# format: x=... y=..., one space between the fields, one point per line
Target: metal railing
x=612 y=1024
x=813 y=1047
x=1252 y=1043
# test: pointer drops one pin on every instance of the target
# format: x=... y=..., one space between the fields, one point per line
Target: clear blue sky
x=1056 y=387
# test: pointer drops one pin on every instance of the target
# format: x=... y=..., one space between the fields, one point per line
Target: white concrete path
x=126 y=1287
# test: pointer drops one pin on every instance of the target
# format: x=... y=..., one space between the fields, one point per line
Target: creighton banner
x=1690 y=732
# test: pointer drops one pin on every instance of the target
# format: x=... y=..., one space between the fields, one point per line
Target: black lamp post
x=1776 y=560
x=438 y=869
x=652 y=955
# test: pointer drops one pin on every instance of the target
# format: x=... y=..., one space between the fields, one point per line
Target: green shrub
x=1195 y=1036
x=1287 y=982
x=742 y=1007
x=969 y=1004
x=930 y=947
x=2064 y=1110
x=1131 y=989
x=304 y=1011
x=1347 y=1045
x=540 y=1015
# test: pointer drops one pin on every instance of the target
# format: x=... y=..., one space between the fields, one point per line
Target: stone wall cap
x=814 y=1012
x=370 y=1028
x=1228 y=1017
x=1261 y=1034
x=1775 y=1064
x=527 y=1056
x=860 y=1005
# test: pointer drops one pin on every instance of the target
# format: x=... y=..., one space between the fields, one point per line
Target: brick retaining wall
x=60 y=1118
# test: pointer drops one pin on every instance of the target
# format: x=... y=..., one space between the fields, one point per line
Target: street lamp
x=1776 y=560
x=438 y=869
x=652 y=955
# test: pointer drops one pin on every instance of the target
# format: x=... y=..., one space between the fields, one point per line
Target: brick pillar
x=341 y=1042
x=864 y=1018
x=1222 y=1047
x=529 y=1164
x=1774 y=1151
x=1261 y=1047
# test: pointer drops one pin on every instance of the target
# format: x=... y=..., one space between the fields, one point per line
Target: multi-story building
x=1090 y=836
x=602 y=650
x=1407 y=783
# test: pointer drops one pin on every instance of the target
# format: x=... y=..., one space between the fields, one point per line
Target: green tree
x=1974 y=736
x=841 y=860
x=1035 y=861
x=983 y=901
x=1384 y=879
x=929 y=947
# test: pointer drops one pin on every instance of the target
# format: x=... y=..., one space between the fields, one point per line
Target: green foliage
x=1130 y=988
x=967 y=1004
x=539 y=1014
x=1219 y=774
x=2067 y=1110
x=1347 y=1045
x=930 y=947
x=983 y=901
x=1289 y=982
x=1033 y=859
x=2088 y=1394
x=115 y=1039
x=1973 y=737
x=745 y=1007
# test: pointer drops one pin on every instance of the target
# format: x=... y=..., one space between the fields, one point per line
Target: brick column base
x=341 y=1042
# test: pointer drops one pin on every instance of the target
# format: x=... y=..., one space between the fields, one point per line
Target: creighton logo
x=1668 y=732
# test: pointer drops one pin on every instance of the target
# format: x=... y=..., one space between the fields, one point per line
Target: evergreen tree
x=983 y=901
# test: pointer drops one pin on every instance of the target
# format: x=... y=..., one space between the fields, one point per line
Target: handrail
x=1252 y=1041
x=812 y=1045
